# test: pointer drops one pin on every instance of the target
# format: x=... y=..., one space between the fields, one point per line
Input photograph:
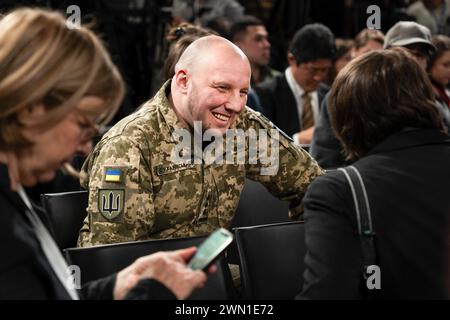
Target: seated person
x=325 y=147
x=139 y=190
x=382 y=111
x=293 y=99
x=250 y=34
x=56 y=84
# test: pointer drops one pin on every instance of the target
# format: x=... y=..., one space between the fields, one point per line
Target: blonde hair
x=43 y=61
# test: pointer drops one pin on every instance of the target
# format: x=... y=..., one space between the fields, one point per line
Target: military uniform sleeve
x=284 y=168
x=120 y=204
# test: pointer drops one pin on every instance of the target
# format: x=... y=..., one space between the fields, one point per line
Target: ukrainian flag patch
x=113 y=175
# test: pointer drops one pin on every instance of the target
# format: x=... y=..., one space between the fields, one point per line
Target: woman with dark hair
x=382 y=111
x=439 y=68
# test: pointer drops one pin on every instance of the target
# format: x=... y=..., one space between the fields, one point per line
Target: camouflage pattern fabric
x=136 y=192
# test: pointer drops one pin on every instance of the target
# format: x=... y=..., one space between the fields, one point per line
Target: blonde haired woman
x=56 y=86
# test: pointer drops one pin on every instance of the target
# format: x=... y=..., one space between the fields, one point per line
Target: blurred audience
x=292 y=100
x=343 y=56
x=347 y=49
x=434 y=14
x=417 y=40
x=202 y=11
x=367 y=40
x=410 y=35
x=250 y=34
x=325 y=148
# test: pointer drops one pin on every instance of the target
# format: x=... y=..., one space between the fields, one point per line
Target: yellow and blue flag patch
x=113 y=175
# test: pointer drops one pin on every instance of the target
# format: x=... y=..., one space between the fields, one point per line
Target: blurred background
x=134 y=30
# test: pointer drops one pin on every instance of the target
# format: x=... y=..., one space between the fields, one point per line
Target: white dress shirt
x=298 y=92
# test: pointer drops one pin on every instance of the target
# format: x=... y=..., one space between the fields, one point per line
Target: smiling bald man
x=143 y=185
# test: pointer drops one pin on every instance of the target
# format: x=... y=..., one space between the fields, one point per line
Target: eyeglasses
x=314 y=71
x=89 y=129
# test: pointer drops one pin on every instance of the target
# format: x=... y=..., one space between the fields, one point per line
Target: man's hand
x=305 y=136
x=169 y=268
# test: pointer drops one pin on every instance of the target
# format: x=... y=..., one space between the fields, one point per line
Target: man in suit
x=250 y=34
x=292 y=100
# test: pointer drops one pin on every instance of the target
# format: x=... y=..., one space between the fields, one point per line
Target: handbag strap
x=363 y=216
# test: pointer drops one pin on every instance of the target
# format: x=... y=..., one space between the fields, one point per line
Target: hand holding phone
x=211 y=249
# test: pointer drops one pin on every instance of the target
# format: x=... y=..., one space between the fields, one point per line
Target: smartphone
x=210 y=249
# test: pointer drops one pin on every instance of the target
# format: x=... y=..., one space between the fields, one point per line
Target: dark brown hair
x=378 y=94
x=239 y=28
x=442 y=44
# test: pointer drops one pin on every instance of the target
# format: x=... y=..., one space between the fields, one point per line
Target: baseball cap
x=404 y=33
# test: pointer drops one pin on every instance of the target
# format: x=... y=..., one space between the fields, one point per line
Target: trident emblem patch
x=110 y=203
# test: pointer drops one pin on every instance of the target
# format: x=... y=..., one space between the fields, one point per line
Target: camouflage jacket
x=137 y=192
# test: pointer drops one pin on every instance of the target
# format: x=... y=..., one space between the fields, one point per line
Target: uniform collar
x=166 y=110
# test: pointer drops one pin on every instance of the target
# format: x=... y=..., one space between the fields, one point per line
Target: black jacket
x=407 y=177
x=24 y=270
x=325 y=147
x=279 y=105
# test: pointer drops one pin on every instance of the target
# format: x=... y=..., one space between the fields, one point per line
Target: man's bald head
x=211 y=83
x=207 y=50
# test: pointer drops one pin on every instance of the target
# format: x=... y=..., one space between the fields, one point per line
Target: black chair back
x=271 y=260
x=66 y=212
x=257 y=206
x=100 y=261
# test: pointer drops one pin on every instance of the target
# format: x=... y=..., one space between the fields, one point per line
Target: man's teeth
x=221 y=117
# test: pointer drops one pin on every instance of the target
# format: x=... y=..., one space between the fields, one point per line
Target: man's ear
x=31 y=113
x=291 y=59
x=181 y=80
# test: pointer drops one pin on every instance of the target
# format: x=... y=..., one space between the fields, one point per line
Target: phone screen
x=210 y=249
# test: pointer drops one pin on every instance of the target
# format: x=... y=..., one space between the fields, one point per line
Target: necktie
x=48 y=245
x=307 y=112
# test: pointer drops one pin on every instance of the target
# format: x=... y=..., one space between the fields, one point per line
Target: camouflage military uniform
x=136 y=192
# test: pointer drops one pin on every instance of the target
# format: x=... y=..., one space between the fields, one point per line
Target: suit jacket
x=25 y=272
x=407 y=177
x=279 y=105
x=325 y=147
